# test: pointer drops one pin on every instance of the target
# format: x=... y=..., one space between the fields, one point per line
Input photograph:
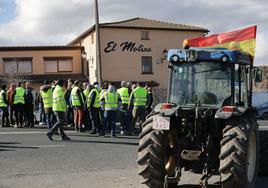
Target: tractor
x=208 y=125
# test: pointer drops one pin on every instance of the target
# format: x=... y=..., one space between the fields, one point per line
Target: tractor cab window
x=202 y=83
x=241 y=85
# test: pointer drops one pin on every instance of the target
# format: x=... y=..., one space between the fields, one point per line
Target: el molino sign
x=126 y=46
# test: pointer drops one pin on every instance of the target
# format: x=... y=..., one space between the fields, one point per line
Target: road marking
x=30 y=132
x=49 y=146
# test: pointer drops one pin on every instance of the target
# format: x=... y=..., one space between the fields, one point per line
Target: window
x=17 y=65
x=145 y=35
x=146 y=65
x=58 y=64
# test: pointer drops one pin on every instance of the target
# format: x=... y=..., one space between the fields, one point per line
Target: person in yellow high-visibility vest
x=77 y=100
x=124 y=112
x=4 y=107
x=93 y=104
x=138 y=99
x=59 y=108
x=19 y=101
x=110 y=101
x=86 y=121
x=47 y=99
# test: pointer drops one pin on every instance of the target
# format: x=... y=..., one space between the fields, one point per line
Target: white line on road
x=30 y=132
x=49 y=146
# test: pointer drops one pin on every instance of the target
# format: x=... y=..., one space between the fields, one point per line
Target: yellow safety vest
x=97 y=98
x=123 y=92
x=47 y=98
x=2 y=103
x=140 y=96
x=75 y=99
x=86 y=92
x=111 y=100
x=19 y=96
x=59 y=103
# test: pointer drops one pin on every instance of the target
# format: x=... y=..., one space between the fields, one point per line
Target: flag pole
x=98 y=48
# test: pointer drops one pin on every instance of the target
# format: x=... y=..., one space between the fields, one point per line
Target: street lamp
x=84 y=54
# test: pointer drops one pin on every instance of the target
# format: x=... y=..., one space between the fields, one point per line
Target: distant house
x=38 y=63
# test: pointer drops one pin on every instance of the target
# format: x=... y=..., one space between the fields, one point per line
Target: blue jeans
x=49 y=119
x=109 y=120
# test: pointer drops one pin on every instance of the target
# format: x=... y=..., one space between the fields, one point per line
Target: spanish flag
x=243 y=39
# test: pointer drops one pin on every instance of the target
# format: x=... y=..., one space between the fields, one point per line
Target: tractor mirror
x=258 y=75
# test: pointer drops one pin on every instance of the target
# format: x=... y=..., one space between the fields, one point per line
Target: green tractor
x=208 y=125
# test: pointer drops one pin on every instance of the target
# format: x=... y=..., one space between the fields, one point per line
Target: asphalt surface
x=29 y=160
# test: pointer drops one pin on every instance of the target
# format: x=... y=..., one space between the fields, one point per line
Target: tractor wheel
x=239 y=154
x=263 y=170
x=153 y=159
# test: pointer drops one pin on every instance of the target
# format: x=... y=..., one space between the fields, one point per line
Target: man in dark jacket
x=67 y=96
x=93 y=103
x=30 y=96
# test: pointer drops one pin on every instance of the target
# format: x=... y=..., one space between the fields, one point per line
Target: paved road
x=29 y=160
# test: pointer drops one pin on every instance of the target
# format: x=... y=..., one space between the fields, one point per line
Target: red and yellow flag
x=243 y=39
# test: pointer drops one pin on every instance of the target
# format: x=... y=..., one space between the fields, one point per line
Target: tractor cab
x=210 y=78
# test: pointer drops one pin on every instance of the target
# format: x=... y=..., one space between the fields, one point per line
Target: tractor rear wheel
x=153 y=159
x=239 y=153
x=263 y=170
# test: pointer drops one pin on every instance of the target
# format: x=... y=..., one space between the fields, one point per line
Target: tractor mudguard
x=236 y=111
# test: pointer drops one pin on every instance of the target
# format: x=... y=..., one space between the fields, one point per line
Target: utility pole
x=98 y=47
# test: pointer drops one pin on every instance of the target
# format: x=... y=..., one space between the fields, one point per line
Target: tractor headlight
x=174 y=58
x=224 y=58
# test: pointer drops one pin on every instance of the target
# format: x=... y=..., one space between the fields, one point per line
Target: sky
x=57 y=22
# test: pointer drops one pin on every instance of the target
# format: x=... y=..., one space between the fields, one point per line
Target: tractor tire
x=151 y=155
x=239 y=153
x=263 y=170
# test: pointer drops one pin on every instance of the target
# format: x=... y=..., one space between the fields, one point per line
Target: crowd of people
x=87 y=107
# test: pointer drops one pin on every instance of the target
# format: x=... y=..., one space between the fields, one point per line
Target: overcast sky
x=57 y=22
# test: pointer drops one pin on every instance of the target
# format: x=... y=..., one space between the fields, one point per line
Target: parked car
x=262 y=111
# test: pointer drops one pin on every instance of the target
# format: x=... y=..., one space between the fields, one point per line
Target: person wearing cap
x=47 y=100
x=3 y=107
x=77 y=100
x=138 y=100
x=124 y=113
x=19 y=100
x=110 y=101
x=93 y=104
x=59 y=109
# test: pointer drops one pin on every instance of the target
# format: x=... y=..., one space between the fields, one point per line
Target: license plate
x=161 y=123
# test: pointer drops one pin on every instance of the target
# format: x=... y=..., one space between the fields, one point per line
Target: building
x=130 y=50
x=134 y=50
x=39 y=63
